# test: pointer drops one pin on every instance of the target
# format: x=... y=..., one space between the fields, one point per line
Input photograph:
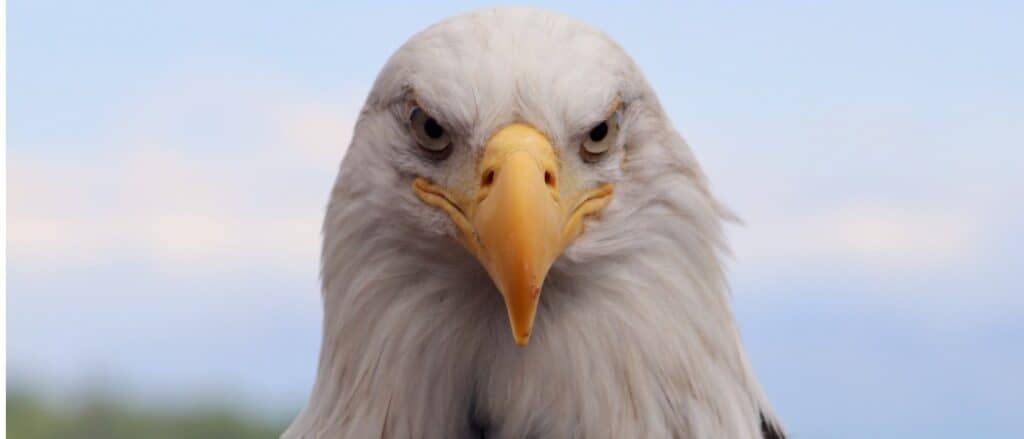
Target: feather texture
x=634 y=335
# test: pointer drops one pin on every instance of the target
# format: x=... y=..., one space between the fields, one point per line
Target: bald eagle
x=512 y=167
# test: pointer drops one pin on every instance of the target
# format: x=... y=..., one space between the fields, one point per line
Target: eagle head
x=512 y=168
x=508 y=133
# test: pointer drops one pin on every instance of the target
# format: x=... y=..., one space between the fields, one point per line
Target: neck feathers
x=633 y=336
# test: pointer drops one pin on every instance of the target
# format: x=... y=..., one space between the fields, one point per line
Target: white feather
x=634 y=335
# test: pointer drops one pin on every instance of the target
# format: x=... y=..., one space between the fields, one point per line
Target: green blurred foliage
x=99 y=416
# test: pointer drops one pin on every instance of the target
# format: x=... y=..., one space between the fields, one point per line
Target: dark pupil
x=597 y=134
x=433 y=129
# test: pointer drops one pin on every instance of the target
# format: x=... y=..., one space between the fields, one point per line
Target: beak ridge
x=519 y=224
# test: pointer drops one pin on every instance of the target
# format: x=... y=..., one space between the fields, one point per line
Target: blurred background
x=169 y=164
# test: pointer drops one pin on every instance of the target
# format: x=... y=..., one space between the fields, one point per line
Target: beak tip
x=522 y=339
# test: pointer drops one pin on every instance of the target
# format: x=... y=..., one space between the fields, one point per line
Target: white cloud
x=190 y=195
x=181 y=214
x=858 y=237
x=878 y=192
x=889 y=236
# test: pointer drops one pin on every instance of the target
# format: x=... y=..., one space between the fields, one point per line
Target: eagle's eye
x=599 y=140
x=429 y=134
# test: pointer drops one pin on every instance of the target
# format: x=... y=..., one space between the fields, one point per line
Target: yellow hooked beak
x=516 y=224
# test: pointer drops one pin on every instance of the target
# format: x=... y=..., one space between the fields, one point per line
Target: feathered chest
x=425 y=352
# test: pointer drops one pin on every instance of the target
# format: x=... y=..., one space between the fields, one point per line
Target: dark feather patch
x=769 y=430
x=478 y=425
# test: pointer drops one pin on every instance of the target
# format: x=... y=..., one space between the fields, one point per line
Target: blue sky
x=169 y=164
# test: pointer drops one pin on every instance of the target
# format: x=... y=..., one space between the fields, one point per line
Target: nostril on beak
x=487 y=179
x=549 y=179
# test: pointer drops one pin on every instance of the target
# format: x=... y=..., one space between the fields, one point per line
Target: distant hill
x=32 y=417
